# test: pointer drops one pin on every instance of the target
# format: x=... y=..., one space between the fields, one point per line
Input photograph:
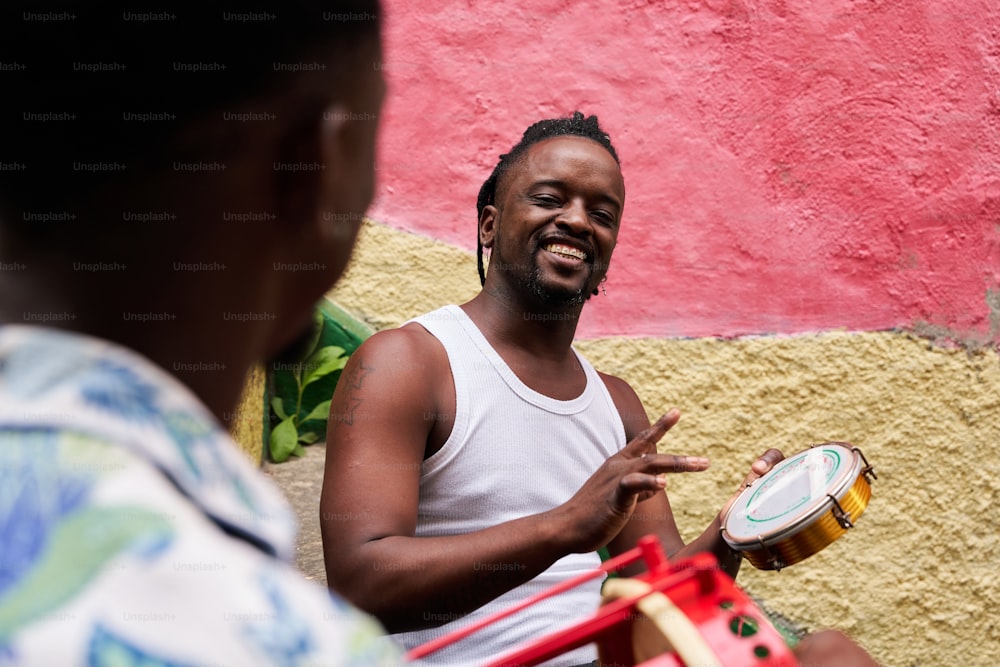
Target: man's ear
x=487 y=225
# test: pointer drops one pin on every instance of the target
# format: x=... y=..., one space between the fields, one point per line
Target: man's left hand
x=758 y=468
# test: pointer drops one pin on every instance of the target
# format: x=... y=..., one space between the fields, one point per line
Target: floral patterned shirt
x=134 y=532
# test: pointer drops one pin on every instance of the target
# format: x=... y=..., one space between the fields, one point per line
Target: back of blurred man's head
x=213 y=132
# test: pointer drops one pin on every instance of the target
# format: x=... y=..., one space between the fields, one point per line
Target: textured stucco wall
x=916 y=579
x=394 y=276
x=847 y=149
x=246 y=423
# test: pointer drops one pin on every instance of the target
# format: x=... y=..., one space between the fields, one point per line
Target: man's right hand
x=599 y=510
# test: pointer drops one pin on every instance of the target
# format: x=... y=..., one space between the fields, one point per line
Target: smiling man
x=474 y=457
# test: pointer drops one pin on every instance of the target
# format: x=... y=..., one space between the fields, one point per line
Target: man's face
x=348 y=190
x=558 y=213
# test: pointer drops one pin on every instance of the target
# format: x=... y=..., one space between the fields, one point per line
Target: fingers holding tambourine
x=760 y=467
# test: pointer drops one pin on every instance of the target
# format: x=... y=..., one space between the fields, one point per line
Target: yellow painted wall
x=916 y=580
x=246 y=423
x=394 y=276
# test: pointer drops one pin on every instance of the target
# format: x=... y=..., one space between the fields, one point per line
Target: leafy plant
x=288 y=437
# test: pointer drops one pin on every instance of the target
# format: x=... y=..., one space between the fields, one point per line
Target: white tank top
x=512 y=452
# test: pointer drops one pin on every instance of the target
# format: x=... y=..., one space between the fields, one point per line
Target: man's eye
x=604 y=217
x=547 y=200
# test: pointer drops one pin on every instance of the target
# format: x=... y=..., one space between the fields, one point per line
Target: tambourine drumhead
x=802 y=505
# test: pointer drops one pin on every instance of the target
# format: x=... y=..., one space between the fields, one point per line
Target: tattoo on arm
x=354 y=399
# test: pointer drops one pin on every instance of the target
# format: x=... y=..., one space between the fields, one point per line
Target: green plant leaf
x=308 y=438
x=299 y=451
x=318 y=324
x=321 y=411
x=284 y=440
x=279 y=407
x=322 y=362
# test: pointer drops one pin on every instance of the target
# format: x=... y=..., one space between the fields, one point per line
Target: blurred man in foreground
x=177 y=192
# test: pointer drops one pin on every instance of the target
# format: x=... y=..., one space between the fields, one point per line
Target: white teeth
x=566 y=251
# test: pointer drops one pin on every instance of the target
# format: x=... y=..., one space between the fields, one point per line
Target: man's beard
x=547 y=294
x=554 y=297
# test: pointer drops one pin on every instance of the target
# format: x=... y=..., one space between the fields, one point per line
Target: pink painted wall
x=790 y=166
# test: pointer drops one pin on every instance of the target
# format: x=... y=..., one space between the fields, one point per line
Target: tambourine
x=800 y=506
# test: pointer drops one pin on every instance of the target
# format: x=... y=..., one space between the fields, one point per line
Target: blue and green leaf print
x=282 y=635
x=109 y=650
x=40 y=366
x=118 y=390
x=52 y=541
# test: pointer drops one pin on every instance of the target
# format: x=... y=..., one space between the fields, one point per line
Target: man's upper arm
x=628 y=404
x=381 y=414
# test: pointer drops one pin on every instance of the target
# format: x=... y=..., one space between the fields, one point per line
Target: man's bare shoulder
x=627 y=402
x=409 y=349
x=391 y=373
x=618 y=388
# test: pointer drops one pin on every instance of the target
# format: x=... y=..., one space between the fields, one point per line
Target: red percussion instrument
x=683 y=614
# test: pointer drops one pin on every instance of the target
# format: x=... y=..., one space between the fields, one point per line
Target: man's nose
x=575 y=219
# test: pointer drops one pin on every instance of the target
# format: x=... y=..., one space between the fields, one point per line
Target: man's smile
x=565 y=251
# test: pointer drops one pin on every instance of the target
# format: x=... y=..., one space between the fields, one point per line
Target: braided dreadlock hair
x=576 y=126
